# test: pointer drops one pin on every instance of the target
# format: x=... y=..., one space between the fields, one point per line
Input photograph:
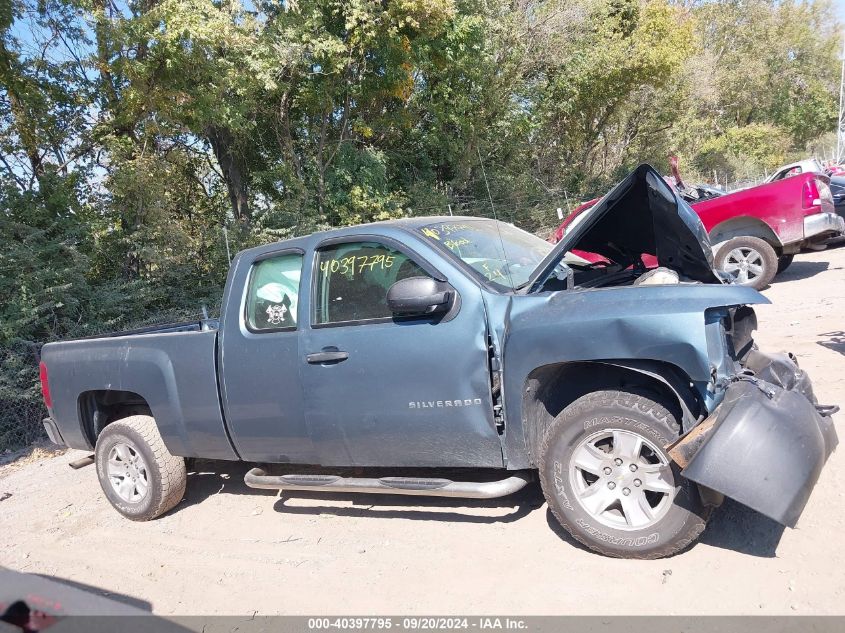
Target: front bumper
x=766 y=443
x=823 y=225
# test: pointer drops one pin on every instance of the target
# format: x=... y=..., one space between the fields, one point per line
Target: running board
x=258 y=478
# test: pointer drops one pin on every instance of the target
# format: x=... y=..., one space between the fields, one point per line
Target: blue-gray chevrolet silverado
x=458 y=356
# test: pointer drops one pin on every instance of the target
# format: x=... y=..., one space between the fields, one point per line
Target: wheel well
x=101 y=407
x=745 y=226
x=551 y=388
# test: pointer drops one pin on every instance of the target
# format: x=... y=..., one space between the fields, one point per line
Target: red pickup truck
x=756 y=232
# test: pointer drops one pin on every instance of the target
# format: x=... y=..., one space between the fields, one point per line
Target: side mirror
x=418 y=296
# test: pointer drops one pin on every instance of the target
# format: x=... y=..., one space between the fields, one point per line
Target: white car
x=793 y=169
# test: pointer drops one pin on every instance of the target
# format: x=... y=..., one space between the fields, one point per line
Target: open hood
x=641 y=215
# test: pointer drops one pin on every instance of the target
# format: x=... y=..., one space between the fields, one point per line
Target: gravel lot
x=227 y=549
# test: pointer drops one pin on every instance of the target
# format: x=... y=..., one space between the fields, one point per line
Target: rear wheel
x=610 y=483
x=138 y=475
x=784 y=261
x=749 y=260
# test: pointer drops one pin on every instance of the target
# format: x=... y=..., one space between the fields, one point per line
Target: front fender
x=672 y=379
x=662 y=324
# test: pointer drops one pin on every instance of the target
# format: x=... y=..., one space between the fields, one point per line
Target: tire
x=602 y=420
x=784 y=262
x=131 y=452
x=749 y=260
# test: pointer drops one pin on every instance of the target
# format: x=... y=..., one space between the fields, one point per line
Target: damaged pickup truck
x=460 y=357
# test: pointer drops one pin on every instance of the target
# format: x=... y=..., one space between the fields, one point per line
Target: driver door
x=381 y=391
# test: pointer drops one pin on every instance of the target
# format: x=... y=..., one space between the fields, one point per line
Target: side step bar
x=258 y=478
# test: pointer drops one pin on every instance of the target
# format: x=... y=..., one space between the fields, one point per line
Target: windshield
x=502 y=253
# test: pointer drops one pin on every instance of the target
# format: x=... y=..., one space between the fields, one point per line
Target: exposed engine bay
x=607 y=275
x=641 y=233
x=604 y=276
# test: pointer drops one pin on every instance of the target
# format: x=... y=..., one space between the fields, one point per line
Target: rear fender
x=174 y=374
x=743 y=226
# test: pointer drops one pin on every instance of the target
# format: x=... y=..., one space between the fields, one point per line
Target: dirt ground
x=227 y=549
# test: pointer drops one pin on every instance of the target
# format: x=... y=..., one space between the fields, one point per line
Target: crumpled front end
x=766 y=443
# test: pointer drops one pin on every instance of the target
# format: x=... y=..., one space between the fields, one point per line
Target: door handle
x=326 y=357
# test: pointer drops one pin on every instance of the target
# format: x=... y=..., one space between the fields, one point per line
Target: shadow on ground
x=802 y=270
x=207 y=479
x=741 y=529
x=379 y=506
x=732 y=527
x=129 y=601
x=834 y=341
x=563 y=535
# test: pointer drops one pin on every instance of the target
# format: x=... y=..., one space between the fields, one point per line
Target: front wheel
x=749 y=260
x=610 y=483
x=138 y=475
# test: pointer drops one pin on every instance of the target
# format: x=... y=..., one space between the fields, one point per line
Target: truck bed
x=171 y=368
x=161 y=328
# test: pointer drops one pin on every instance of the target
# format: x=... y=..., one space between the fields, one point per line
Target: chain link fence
x=21 y=408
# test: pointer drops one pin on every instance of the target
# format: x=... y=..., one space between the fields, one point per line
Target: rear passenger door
x=259 y=363
x=381 y=391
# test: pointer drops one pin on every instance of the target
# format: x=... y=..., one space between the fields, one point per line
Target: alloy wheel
x=744 y=264
x=127 y=472
x=622 y=479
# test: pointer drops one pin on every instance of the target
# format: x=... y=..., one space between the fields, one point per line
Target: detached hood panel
x=641 y=215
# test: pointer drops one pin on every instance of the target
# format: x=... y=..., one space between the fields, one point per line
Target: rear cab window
x=273 y=293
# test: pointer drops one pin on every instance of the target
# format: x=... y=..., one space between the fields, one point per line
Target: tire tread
x=636 y=403
x=173 y=474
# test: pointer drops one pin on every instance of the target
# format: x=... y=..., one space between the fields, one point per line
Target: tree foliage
x=132 y=133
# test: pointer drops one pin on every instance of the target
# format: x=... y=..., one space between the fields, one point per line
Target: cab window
x=273 y=293
x=352 y=280
x=788 y=173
